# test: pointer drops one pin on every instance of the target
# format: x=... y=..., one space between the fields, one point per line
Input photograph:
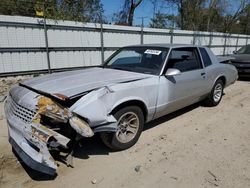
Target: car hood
x=243 y=58
x=73 y=83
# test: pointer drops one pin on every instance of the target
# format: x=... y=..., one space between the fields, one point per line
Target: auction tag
x=153 y=52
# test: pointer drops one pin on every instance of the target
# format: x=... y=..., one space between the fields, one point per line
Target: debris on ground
x=175 y=178
x=163 y=137
x=138 y=168
x=6 y=83
x=214 y=181
x=93 y=181
x=215 y=178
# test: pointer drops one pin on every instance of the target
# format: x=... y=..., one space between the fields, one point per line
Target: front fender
x=94 y=107
x=127 y=99
x=97 y=105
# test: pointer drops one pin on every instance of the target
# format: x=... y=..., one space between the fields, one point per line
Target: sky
x=145 y=9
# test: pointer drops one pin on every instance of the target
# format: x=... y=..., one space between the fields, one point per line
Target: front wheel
x=215 y=95
x=130 y=121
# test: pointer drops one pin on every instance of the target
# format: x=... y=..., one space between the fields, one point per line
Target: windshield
x=148 y=60
x=244 y=50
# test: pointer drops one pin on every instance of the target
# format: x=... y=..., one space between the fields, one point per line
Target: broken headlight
x=81 y=126
x=49 y=108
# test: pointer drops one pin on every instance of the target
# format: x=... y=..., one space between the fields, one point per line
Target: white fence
x=73 y=44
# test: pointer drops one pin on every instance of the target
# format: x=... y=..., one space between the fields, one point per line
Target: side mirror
x=234 y=52
x=172 y=72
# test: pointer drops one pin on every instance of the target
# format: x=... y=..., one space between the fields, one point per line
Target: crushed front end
x=40 y=127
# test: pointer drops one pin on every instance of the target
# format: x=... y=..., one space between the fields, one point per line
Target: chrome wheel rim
x=217 y=92
x=128 y=125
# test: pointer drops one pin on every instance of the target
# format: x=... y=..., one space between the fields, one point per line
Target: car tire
x=215 y=95
x=130 y=125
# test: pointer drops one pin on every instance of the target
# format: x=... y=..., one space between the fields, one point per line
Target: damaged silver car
x=48 y=115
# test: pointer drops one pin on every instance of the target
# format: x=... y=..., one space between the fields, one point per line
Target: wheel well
x=223 y=78
x=138 y=103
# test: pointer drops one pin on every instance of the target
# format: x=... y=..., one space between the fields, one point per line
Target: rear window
x=206 y=59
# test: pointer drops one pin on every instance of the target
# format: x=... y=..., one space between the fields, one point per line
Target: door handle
x=203 y=73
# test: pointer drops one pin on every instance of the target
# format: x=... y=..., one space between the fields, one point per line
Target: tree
x=162 y=21
x=211 y=11
x=14 y=7
x=77 y=10
x=244 y=20
x=180 y=7
x=126 y=15
x=210 y=15
x=231 y=17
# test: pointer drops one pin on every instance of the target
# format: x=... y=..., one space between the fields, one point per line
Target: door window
x=184 y=59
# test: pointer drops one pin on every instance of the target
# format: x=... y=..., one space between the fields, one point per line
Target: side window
x=184 y=59
x=206 y=59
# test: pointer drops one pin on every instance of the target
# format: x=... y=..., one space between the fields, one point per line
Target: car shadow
x=170 y=116
x=94 y=145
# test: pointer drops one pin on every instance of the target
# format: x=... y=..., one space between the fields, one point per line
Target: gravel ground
x=194 y=147
x=7 y=82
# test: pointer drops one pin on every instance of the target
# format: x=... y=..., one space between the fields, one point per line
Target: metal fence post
x=225 y=43
x=142 y=34
x=46 y=43
x=142 y=25
x=102 y=43
x=171 y=36
x=210 y=39
x=194 y=37
x=237 y=41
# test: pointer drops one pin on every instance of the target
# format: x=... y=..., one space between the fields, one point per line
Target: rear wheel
x=215 y=95
x=130 y=121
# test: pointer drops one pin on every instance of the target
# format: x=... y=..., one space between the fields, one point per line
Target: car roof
x=165 y=45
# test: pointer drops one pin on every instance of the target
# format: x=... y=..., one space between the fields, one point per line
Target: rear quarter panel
x=217 y=70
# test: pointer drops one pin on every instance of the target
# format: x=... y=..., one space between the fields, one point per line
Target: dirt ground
x=194 y=147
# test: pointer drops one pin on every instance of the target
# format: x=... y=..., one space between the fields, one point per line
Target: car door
x=185 y=88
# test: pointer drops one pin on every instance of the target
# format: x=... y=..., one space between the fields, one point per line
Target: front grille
x=20 y=112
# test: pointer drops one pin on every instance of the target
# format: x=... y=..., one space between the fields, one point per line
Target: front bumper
x=30 y=141
x=31 y=162
x=30 y=136
x=32 y=150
